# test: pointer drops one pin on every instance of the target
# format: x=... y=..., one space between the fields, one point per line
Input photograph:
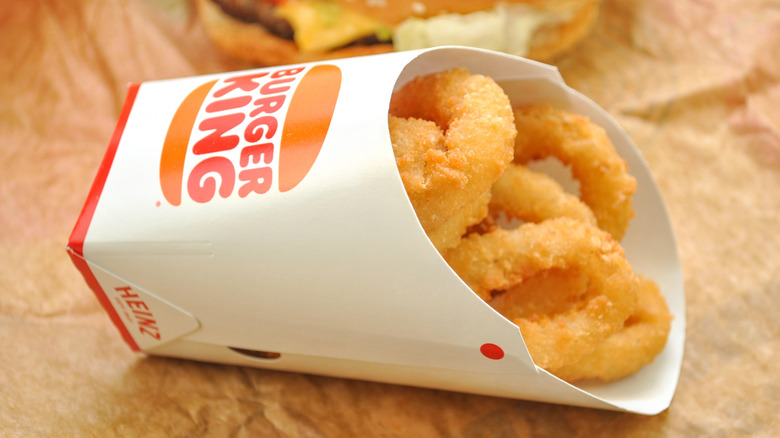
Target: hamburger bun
x=261 y=33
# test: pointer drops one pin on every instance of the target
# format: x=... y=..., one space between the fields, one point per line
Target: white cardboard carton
x=223 y=226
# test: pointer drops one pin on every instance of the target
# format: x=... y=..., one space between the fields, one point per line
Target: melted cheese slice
x=320 y=25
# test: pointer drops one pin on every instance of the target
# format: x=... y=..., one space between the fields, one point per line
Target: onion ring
x=449 y=234
x=503 y=259
x=447 y=175
x=605 y=184
x=523 y=194
x=642 y=338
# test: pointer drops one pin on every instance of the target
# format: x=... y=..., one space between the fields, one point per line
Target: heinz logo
x=233 y=137
x=136 y=310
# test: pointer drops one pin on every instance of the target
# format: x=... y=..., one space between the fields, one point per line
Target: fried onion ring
x=448 y=174
x=642 y=338
x=605 y=184
x=415 y=138
x=523 y=194
x=503 y=259
x=449 y=234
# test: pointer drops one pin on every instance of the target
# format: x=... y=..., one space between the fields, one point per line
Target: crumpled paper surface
x=696 y=83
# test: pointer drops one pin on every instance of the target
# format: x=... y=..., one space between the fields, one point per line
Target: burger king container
x=258 y=218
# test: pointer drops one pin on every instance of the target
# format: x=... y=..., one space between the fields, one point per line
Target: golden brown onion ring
x=605 y=184
x=501 y=260
x=637 y=344
x=447 y=175
x=523 y=194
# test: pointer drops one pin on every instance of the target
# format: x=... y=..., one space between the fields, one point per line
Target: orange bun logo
x=243 y=134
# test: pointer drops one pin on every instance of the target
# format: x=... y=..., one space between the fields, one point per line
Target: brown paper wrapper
x=694 y=84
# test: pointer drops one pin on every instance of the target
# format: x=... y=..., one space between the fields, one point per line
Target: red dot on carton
x=491 y=351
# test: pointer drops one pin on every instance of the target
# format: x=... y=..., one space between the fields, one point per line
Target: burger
x=272 y=32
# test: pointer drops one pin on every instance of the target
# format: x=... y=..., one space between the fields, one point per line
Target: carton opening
x=257 y=354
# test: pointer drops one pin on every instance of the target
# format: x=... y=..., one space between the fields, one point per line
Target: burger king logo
x=243 y=135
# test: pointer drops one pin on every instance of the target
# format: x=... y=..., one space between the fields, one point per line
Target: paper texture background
x=695 y=83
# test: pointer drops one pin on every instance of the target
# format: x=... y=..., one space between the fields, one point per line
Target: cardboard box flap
x=148 y=319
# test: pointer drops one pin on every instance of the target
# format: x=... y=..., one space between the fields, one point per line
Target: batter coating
x=641 y=339
x=605 y=184
x=501 y=260
x=453 y=135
